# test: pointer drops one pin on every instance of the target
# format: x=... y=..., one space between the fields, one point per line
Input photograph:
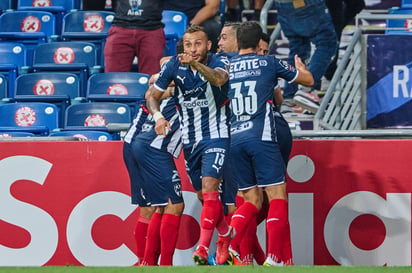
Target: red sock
x=140 y=232
x=262 y=214
x=153 y=240
x=240 y=220
x=209 y=217
x=258 y=253
x=276 y=226
x=228 y=218
x=168 y=237
x=222 y=226
x=247 y=242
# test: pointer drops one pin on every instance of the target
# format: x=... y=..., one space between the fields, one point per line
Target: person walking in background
x=201 y=86
x=202 y=13
x=136 y=31
x=255 y=160
x=304 y=22
x=342 y=12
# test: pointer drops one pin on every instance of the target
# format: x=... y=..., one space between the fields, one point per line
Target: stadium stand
x=30 y=28
x=7 y=5
x=124 y=87
x=75 y=57
x=34 y=117
x=88 y=26
x=3 y=88
x=175 y=25
x=13 y=61
x=96 y=116
x=84 y=135
x=57 y=7
x=399 y=26
x=57 y=88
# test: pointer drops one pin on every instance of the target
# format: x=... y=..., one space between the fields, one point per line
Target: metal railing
x=343 y=106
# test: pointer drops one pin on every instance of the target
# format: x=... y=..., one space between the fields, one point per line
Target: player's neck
x=247 y=51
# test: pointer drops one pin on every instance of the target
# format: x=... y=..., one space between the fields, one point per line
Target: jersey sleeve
x=285 y=71
x=220 y=61
x=166 y=75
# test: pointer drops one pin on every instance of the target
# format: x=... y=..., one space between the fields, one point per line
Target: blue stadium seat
x=88 y=26
x=16 y=134
x=57 y=88
x=125 y=87
x=13 y=60
x=175 y=26
x=30 y=28
x=399 y=26
x=86 y=135
x=3 y=88
x=75 y=57
x=57 y=7
x=35 y=117
x=7 y=5
x=96 y=116
x=406 y=4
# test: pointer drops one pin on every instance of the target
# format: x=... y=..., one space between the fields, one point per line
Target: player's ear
x=209 y=45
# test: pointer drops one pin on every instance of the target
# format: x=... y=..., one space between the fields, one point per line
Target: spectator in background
x=202 y=13
x=136 y=31
x=258 y=5
x=304 y=22
x=93 y=4
x=342 y=12
x=233 y=14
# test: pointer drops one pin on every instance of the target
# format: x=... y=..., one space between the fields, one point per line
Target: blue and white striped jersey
x=142 y=129
x=203 y=108
x=252 y=80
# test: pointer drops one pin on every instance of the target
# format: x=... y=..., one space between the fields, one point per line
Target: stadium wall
x=68 y=203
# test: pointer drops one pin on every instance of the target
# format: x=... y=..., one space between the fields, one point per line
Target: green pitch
x=207 y=269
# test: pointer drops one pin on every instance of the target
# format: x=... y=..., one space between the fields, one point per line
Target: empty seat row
x=41 y=119
x=33 y=27
x=63 y=89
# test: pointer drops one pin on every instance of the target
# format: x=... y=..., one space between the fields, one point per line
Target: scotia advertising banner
x=68 y=203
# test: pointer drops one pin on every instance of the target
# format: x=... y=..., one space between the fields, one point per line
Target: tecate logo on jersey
x=196 y=103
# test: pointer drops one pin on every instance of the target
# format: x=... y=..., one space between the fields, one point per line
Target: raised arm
x=215 y=76
x=209 y=10
x=305 y=76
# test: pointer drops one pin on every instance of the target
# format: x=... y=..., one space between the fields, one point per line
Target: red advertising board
x=69 y=203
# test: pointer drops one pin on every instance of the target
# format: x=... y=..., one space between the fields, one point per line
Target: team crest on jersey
x=287 y=66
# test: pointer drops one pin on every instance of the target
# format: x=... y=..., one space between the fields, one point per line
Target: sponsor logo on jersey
x=241 y=127
x=194 y=103
x=242 y=65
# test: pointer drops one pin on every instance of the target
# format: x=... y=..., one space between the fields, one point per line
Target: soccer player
x=255 y=159
x=154 y=177
x=201 y=86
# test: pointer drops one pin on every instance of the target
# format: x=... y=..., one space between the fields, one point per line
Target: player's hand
x=299 y=64
x=162 y=127
x=185 y=58
x=153 y=78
